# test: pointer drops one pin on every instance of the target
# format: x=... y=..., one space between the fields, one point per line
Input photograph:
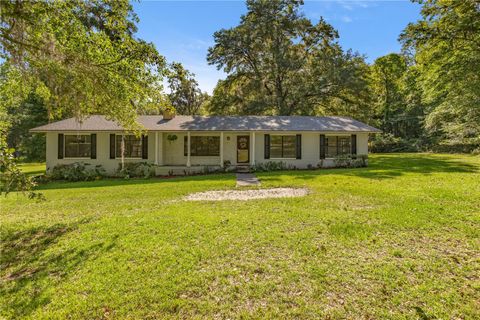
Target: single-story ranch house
x=193 y=142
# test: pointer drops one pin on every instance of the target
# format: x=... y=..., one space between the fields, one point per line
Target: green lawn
x=33 y=168
x=399 y=239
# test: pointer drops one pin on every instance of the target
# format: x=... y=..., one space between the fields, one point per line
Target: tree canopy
x=185 y=94
x=279 y=62
x=81 y=57
x=445 y=46
x=73 y=58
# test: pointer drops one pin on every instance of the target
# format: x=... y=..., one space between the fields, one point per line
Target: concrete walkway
x=247 y=179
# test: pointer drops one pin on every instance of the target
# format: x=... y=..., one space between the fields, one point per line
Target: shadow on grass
x=29 y=271
x=112 y=182
x=389 y=167
x=380 y=167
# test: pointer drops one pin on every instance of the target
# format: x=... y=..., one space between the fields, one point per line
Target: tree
x=80 y=58
x=387 y=76
x=83 y=56
x=278 y=62
x=185 y=95
x=445 y=46
x=397 y=105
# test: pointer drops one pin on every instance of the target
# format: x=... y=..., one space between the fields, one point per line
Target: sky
x=182 y=31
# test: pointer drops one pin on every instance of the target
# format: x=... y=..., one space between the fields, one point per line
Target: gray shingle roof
x=216 y=123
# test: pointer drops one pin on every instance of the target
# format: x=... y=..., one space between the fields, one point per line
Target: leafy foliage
x=397 y=106
x=136 y=170
x=278 y=62
x=77 y=171
x=11 y=178
x=347 y=161
x=445 y=46
x=73 y=58
x=185 y=95
x=83 y=57
x=270 y=166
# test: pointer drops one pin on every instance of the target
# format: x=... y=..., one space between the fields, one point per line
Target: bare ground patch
x=247 y=194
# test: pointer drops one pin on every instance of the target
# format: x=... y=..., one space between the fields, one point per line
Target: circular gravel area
x=247 y=194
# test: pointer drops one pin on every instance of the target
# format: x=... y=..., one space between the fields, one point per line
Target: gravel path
x=247 y=194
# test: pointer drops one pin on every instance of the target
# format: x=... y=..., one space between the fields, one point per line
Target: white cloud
x=346 y=19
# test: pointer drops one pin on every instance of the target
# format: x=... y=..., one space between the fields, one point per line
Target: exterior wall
x=362 y=143
x=310 y=149
x=103 y=152
x=170 y=153
x=173 y=151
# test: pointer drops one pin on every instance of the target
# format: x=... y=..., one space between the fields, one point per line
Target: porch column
x=221 y=149
x=252 y=147
x=156 y=148
x=160 y=148
x=188 y=149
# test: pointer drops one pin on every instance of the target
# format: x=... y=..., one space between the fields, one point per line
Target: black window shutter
x=354 y=144
x=185 y=145
x=267 y=147
x=298 y=146
x=322 y=146
x=93 y=146
x=60 y=146
x=144 y=147
x=112 y=146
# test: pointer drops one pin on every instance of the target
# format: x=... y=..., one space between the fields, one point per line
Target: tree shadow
x=112 y=182
x=29 y=270
x=389 y=167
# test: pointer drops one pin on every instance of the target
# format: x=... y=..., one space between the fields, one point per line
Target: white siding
x=171 y=153
x=103 y=152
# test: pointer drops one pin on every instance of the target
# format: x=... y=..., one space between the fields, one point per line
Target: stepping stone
x=247 y=179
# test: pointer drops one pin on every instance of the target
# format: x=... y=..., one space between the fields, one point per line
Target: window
x=133 y=146
x=78 y=146
x=337 y=145
x=283 y=146
x=202 y=146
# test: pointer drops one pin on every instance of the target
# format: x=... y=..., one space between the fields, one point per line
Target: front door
x=243 y=149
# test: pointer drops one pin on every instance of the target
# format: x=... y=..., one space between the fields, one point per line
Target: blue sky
x=183 y=31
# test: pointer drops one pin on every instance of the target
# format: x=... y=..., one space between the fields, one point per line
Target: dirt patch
x=247 y=194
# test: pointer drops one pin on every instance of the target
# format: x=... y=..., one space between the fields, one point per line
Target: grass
x=396 y=240
x=33 y=168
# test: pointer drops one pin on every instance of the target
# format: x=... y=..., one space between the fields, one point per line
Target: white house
x=193 y=142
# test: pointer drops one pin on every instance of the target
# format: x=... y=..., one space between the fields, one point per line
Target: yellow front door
x=243 y=149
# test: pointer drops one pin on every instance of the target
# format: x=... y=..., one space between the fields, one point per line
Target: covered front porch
x=193 y=151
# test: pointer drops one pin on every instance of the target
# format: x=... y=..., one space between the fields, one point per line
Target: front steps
x=242 y=169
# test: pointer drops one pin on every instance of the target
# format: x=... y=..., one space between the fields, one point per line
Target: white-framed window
x=77 y=146
x=283 y=146
x=132 y=146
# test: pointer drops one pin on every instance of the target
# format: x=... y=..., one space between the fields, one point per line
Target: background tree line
x=74 y=58
x=427 y=97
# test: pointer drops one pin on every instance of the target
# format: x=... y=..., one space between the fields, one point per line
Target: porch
x=194 y=151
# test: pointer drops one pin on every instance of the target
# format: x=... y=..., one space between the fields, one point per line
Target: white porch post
x=156 y=148
x=188 y=149
x=252 y=147
x=160 y=149
x=221 y=149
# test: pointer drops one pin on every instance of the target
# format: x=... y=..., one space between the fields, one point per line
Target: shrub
x=347 y=161
x=387 y=142
x=456 y=148
x=211 y=169
x=77 y=171
x=226 y=165
x=270 y=166
x=136 y=170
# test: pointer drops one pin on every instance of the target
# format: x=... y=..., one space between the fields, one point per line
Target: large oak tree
x=279 y=62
